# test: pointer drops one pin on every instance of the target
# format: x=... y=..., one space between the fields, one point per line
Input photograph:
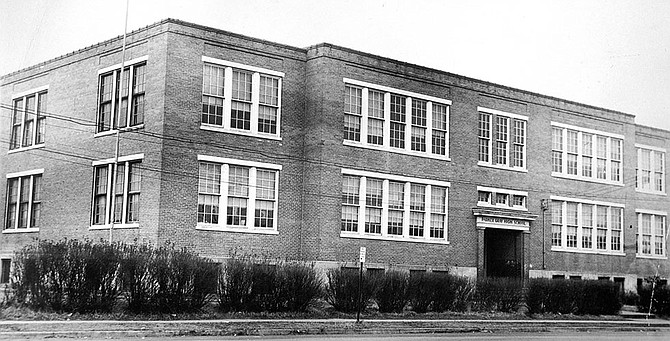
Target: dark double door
x=503 y=252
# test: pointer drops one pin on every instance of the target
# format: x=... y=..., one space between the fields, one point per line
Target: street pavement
x=295 y=328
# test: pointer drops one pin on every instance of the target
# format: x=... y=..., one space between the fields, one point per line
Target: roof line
x=395 y=61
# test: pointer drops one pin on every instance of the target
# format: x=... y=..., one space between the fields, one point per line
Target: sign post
x=361 y=258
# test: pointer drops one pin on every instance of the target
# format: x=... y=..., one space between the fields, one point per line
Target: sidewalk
x=12 y=330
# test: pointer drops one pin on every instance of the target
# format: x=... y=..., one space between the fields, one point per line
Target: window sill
x=651 y=257
x=219 y=228
x=113 y=131
x=395 y=150
x=23 y=230
x=590 y=252
x=116 y=226
x=23 y=149
x=646 y=191
x=394 y=239
x=514 y=169
x=581 y=178
x=220 y=129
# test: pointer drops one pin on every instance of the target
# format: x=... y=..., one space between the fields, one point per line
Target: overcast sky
x=613 y=54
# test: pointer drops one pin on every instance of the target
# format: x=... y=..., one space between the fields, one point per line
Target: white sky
x=613 y=54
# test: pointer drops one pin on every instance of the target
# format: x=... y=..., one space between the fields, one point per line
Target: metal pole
x=360 y=293
x=118 y=129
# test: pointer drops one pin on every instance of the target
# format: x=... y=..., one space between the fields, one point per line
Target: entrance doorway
x=503 y=253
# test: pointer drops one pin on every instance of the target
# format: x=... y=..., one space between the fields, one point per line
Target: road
x=606 y=336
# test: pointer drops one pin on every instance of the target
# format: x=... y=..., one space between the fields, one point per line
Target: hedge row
x=593 y=297
x=396 y=291
x=661 y=297
x=81 y=276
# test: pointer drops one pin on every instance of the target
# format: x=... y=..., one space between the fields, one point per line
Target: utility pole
x=115 y=166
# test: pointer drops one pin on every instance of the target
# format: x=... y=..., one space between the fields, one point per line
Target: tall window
x=394 y=120
x=374 y=192
x=585 y=154
x=375 y=117
x=116 y=193
x=419 y=125
x=350 y=201
x=247 y=190
x=484 y=137
x=502 y=139
x=352 y=113
x=240 y=99
x=28 y=120
x=586 y=226
x=24 y=201
x=213 y=80
x=398 y=118
x=651 y=236
x=121 y=98
x=650 y=172
x=394 y=207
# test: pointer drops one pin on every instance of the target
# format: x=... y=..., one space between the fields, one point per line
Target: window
x=241 y=99
x=503 y=198
x=576 y=224
x=352 y=110
x=248 y=191
x=557 y=150
x=584 y=154
x=24 y=201
x=5 y=267
x=28 y=119
x=394 y=120
x=394 y=208
x=373 y=204
x=502 y=139
x=350 y=201
x=651 y=233
x=650 y=172
x=121 y=102
x=116 y=192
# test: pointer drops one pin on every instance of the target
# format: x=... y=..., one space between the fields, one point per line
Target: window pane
x=373 y=220
x=375 y=104
x=396 y=195
x=438 y=199
x=269 y=90
x=209 y=179
x=265 y=184
x=375 y=131
x=267 y=119
x=240 y=115
x=397 y=108
x=352 y=127
x=350 y=187
x=439 y=116
x=352 y=100
x=242 y=85
x=264 y=215
x=419 y=112
x=237 y=211
x=349 y=218
x=373 y=192
x=417 y=201
x=238 y=181
x=213 y=80
x=208 y=209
